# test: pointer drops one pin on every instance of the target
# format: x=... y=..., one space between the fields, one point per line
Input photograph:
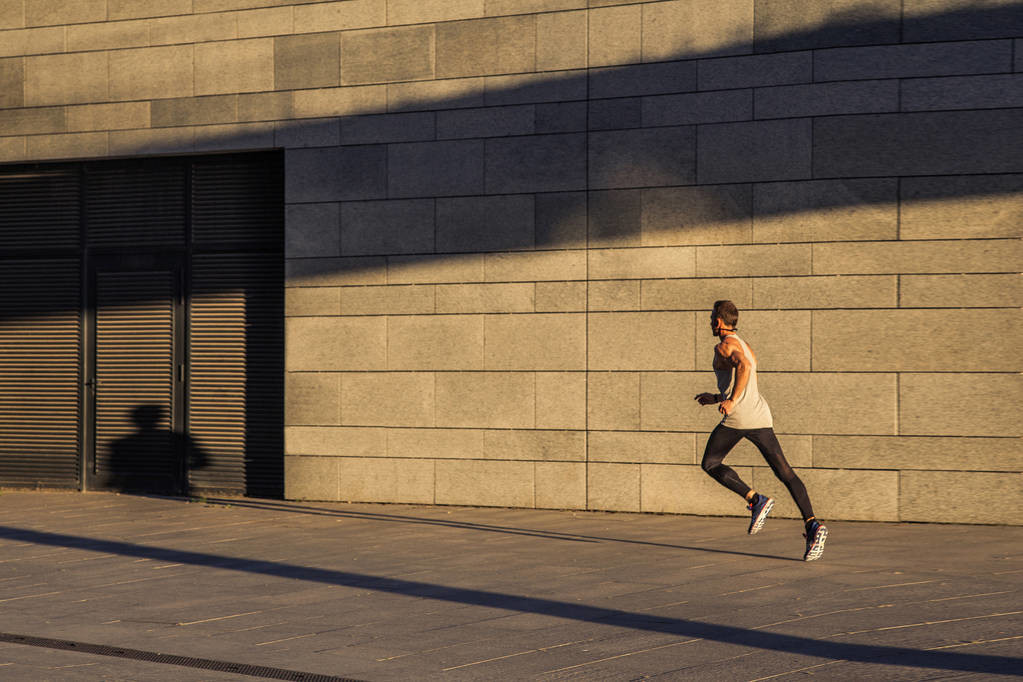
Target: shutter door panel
x=40 y=209
x=40 y=383
x=238 y=201
x=136 y=204
x=135 y=447
x=236 y=344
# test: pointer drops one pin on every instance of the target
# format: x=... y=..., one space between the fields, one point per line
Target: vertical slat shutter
x=39 y=372
x=236 y=372
x=135 y=380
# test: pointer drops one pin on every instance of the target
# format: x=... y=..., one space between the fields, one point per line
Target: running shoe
x=816 y=533
x=761 y=508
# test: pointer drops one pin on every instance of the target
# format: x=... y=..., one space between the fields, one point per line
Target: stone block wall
x=507 y=221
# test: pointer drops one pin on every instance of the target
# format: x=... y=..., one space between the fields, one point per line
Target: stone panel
x=645 y=263
x=666 y=401
x=958 y=20
x=339 y=16
x=827 y=99
x=485 y=298
x=815 y=293
x=560 y=400
x=12 y=148
x=611 y=295
x=825 y=210
x=387 y=399
x=756 y=71
x=560 y=220
x=611 y=114
x=615 y=35
x=978 y=497
x=435 y=443
x=342 y=343
x=918 y=452
x=561 y=41
x=389 y=300
x=960 y=404
x=347 y=101
x=756 y=260
x=560 y=485
x=1002 y=255
x=684 y=29
x=427 y=95
x=387 y=227
x=50 y=12
x=913 y=61
x=520 y=6
x=646 y=448
x=333 y=441
x=486 y=400
x=798 y=451
x=640 y=341
x=871 y=340
x=193 y=29
x=486 y=46
x=403 y=481
x=108 y=36
x=234 y=66
x=308 y=133
x=535 y=342
x=646 y=79
x=74 y=145
x=307 y=61
x=535 y=266
x=66 y=79
x=385 y=55
x=560 y=297
x=12 y=14
x=984 y=141
x=269 y=106
x=312 y=230
x=310 y=478
x=613 y=400
x=539 y=163
x=561 y=117
x=33 y=121
x=485 y=122
x=230 y=136
x=435 y=342
x=642 y=157
x=751 y=152
x=784 y=25
x=271 y=21
x=965 y=291
x=336 y=173
x=613 y=487
x=183 y=111
x=832 y=403
x=422 y=11
x=615 y=218
x=698 y=107
x=676 y=489
x=318 y=272
x=529 y=88
x=535 y=445
x=956 y=207
x=836 y=493
x=485 y=223
x=32 y=41
x=676 y=216
x=152 y=73
x=312 y=398
x=152 y=141
x=412 y=127
x=137 y=9
x=435 y=168
x=780 y=339
x=314 y=301
x=430 y=269
x=695 y=294
x=962 y=92
x=485 y=484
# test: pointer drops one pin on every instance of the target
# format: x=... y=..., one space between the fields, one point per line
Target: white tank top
x=751 y=410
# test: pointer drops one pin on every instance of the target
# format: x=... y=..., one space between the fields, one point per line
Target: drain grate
x=170 y=659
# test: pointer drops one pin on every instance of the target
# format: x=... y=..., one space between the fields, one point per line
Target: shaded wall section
x=507 y=220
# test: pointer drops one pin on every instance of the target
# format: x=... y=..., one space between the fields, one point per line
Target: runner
x=748 y=416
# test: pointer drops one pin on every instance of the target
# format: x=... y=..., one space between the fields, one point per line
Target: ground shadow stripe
x=171 y=659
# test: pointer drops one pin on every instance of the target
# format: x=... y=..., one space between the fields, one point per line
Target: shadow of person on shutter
x=154 y=459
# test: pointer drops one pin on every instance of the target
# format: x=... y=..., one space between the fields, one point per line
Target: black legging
x=721 y=442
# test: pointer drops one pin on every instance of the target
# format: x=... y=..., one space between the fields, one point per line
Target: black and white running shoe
x=816 y=534
x=761 y=508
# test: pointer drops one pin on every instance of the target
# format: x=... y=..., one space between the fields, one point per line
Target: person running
x=747 y=415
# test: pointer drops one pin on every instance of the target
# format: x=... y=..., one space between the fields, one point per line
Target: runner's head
x=724 y=317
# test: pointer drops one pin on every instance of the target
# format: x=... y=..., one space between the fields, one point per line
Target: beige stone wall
x=507 y=220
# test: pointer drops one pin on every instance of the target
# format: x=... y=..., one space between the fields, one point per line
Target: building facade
x=504 y=223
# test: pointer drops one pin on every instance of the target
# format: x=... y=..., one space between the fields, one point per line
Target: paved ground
x=160 y=586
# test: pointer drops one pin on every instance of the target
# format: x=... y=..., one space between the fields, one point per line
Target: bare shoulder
x=728 y=345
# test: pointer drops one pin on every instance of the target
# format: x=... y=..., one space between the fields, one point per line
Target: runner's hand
x=706 y=398
x=726 y=407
